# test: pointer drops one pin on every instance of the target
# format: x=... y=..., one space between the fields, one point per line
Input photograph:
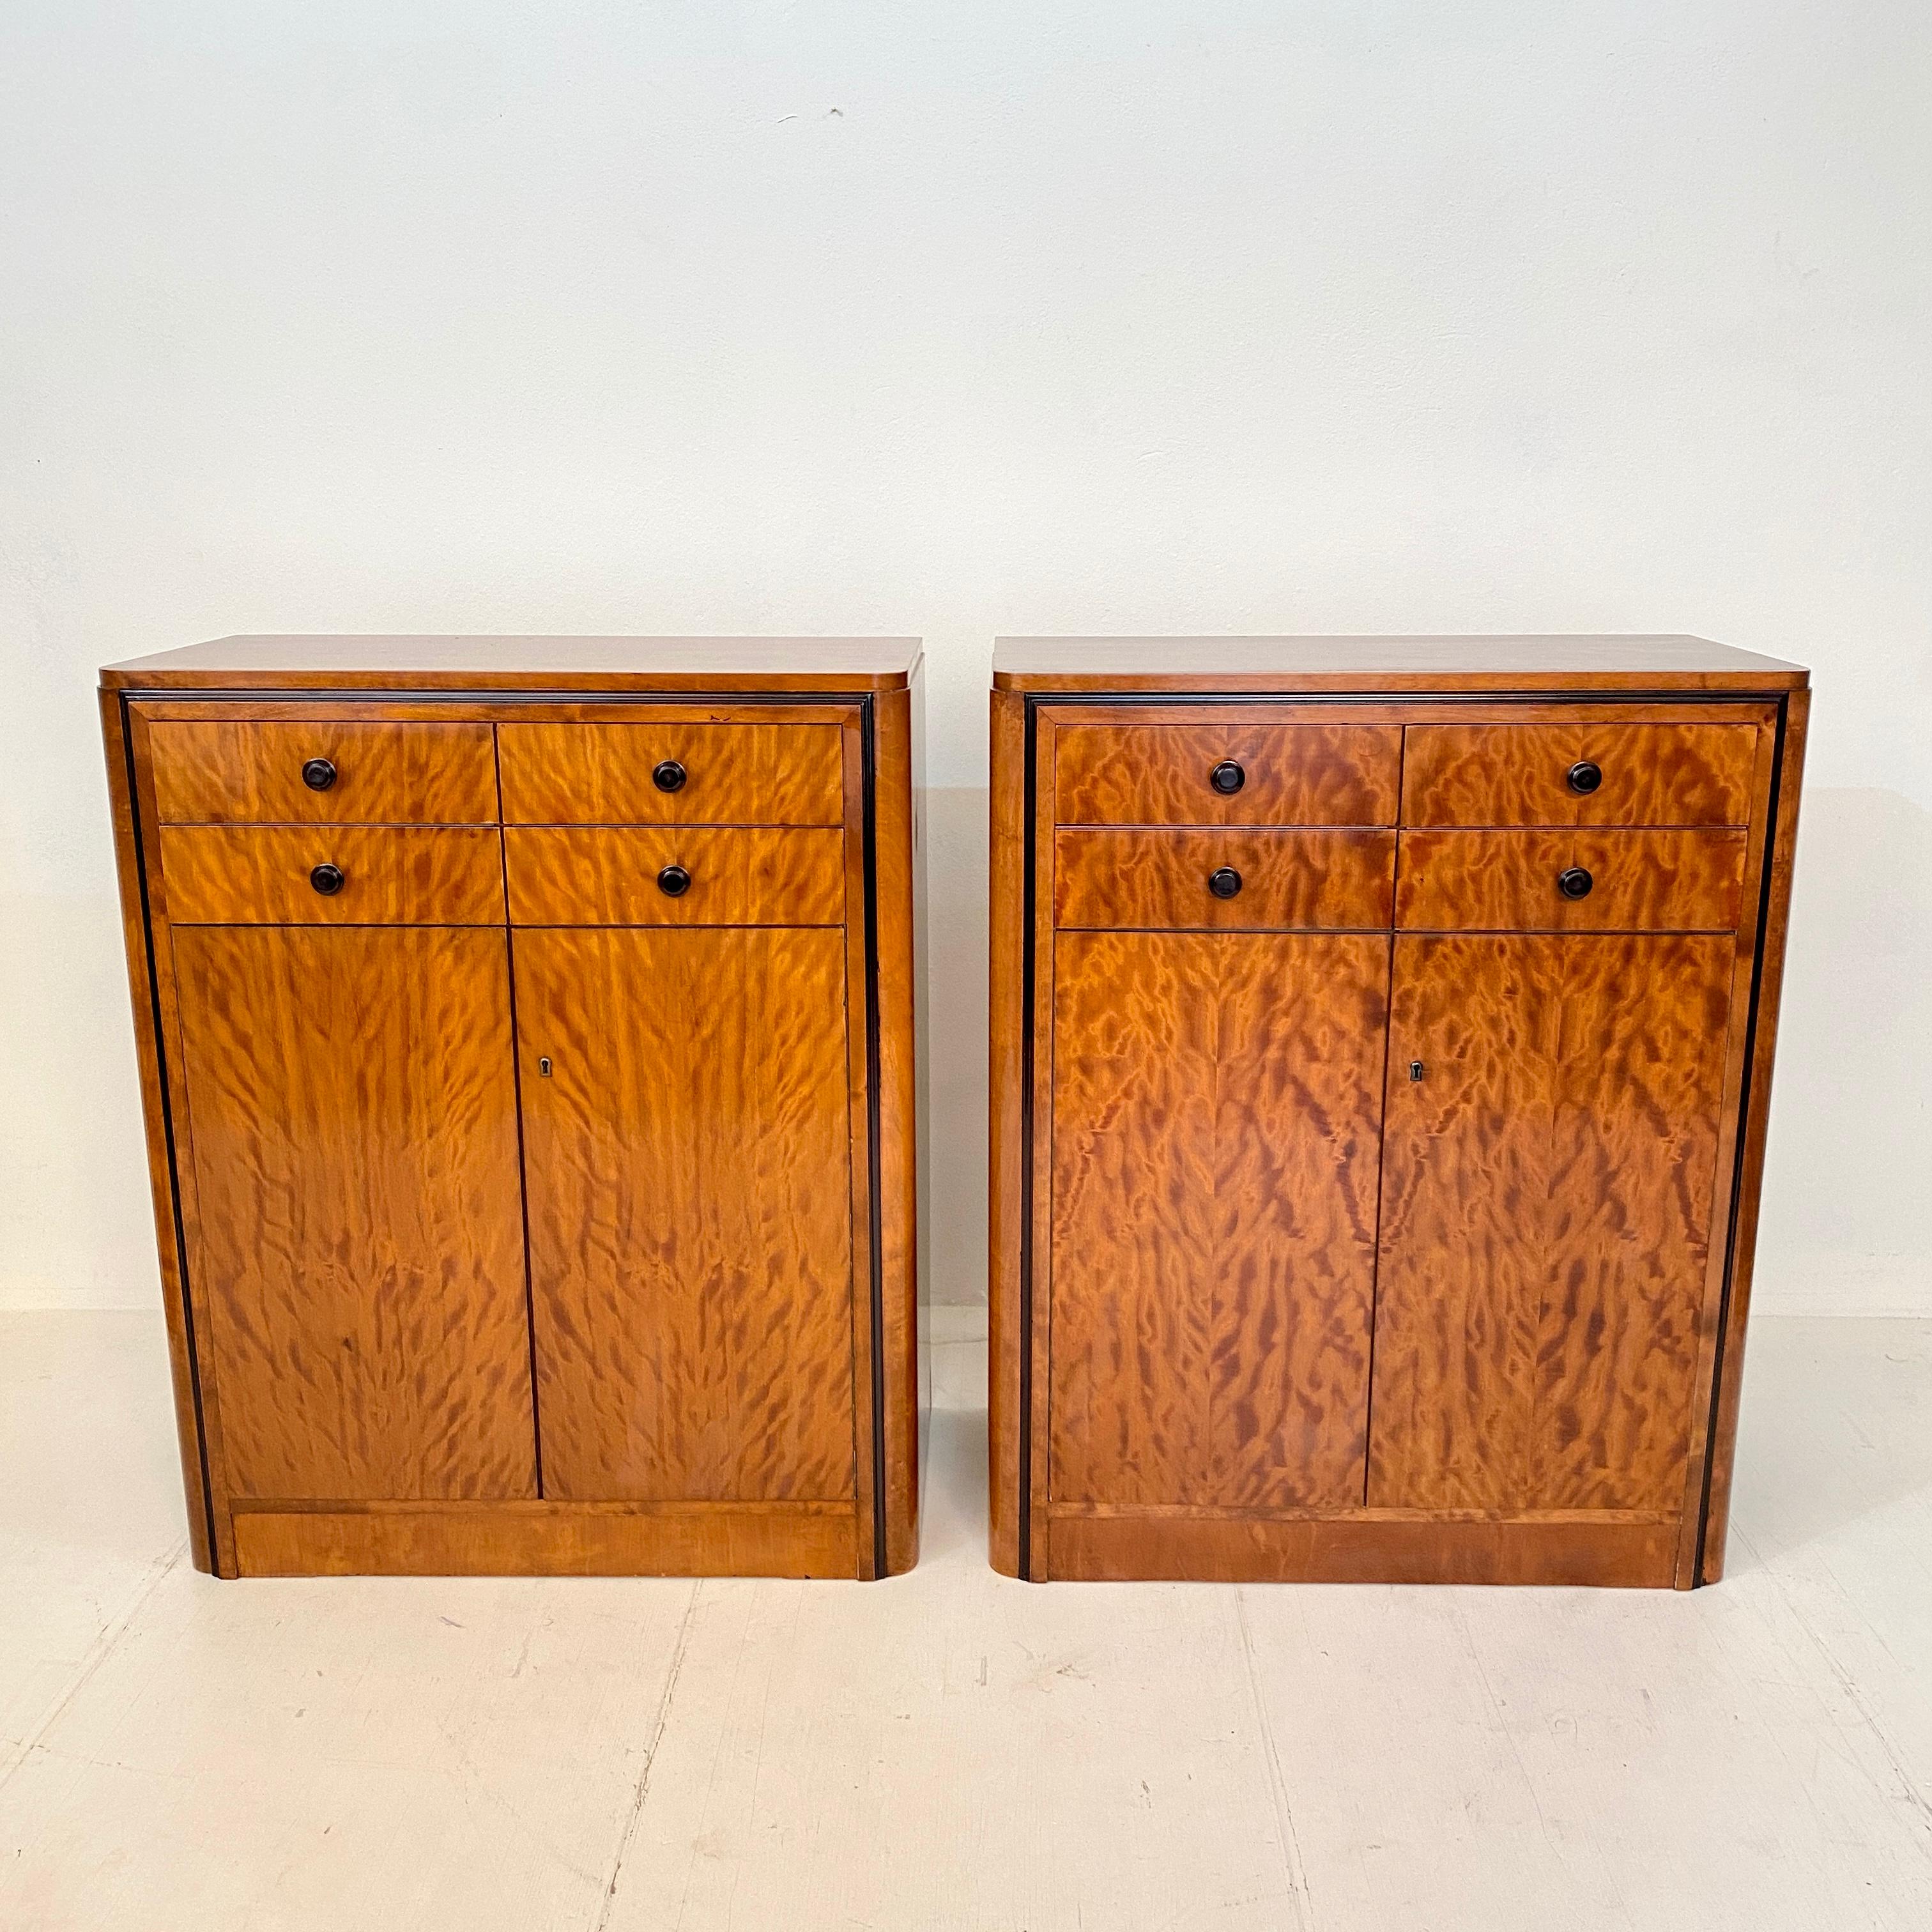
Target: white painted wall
x=963 y=318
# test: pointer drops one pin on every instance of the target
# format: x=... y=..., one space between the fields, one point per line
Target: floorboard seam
x=1292 y=1868
x=103 y=1647
x=608 y=1904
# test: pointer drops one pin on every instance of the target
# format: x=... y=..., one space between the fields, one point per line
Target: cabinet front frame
x=1361 y=1544
x=323 y=1536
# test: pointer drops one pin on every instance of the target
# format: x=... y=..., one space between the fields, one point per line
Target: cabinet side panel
x=160 y=1177
x=1008 y=1152
x=1751 y=1179
x=898 y=963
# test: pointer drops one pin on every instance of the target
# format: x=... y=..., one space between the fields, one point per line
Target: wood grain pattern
x=1360 y=1548
x=258 y=875
x=1546 y=1191
x=246 y=772
x=1215 y=1103
x=1333 y=881
x=1506 y=881
x=735 y=774
x=1723 y=1446
x=1009 y=1148
x=1653 y=775
x=355 y=1147
x=1282 y=667
x=122 y=807
x=740 y=877
x=688 y=1204
x=702 y=666
x=550 y=1539
x=1327 y=774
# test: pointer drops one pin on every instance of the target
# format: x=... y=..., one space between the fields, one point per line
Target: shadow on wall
x=1850 y=1145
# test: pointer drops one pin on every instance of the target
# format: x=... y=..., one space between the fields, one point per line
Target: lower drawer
x=756 y=875
x=1570 y=881
x=1237 y=880
x=332 y=875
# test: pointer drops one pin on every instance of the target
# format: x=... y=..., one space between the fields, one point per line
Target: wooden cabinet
x=1382 y=1034
x=527 y=1035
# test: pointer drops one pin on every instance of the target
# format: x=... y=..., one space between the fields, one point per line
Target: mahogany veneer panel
x=1342 y=1232
x=734 y=774
x=1503 y=881
x=1519 y=774
x=248 y=771
x=690 y=1252
x=1292 y=774
x=1332 y=880
x=223 y=875
x=750 y=876
x=358 y=1227
x=388 y=1110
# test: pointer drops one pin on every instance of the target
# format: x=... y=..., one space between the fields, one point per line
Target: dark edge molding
x=1177 y=699
x=862 y=699
x=874 y=1090
x=1028 y=843
x=168 y=1136
x=1721 y=1340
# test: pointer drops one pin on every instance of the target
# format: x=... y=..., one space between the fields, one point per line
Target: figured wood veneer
x=1332 y=880
x=734 y=774
x=1505 y=881
x=753 y=876
x=1292 y=775
x=1212 y=1358
x=262 y=875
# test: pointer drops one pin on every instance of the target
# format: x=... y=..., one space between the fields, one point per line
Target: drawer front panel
x=1287 y=774
x=242 y=773
x=603 y=876
x=1626 y=881
x=1578 y=774
x=678 y=774
x=1283 y=880
x=389 y=875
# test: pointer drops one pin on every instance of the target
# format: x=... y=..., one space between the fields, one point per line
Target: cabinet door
x=1546 y=1197
x=353 y=1123
x=689 y=1153
x=1216 y=1103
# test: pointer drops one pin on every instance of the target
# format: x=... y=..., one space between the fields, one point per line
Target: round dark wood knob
x=669 y=776
x=1585 y=776
x=1227 y=778
x=1224 y=882
x=319 y=774
x=1574 y=882
x=674 y=882
x=327 y=880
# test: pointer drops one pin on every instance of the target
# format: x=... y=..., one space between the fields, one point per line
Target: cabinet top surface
x=521 y=663
x=1447 y=664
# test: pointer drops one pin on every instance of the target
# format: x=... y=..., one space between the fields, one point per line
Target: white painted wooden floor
x=952 y=1749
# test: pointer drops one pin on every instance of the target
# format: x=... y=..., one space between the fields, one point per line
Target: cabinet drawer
x=325 y=773
x=676 y=774
x=738 y=876
x=1276 y=774
x=1626 y=881
x=384 y=875
x=1282 y=881
x=1577 y=774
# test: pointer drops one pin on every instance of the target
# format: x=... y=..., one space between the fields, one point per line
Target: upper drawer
x=342 y=875
x=1578 y=774
x=1226 y=774
x=754 y=875
x=682 y=774
x=1570 y=881
x=329 y=773
x=1248 y=880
